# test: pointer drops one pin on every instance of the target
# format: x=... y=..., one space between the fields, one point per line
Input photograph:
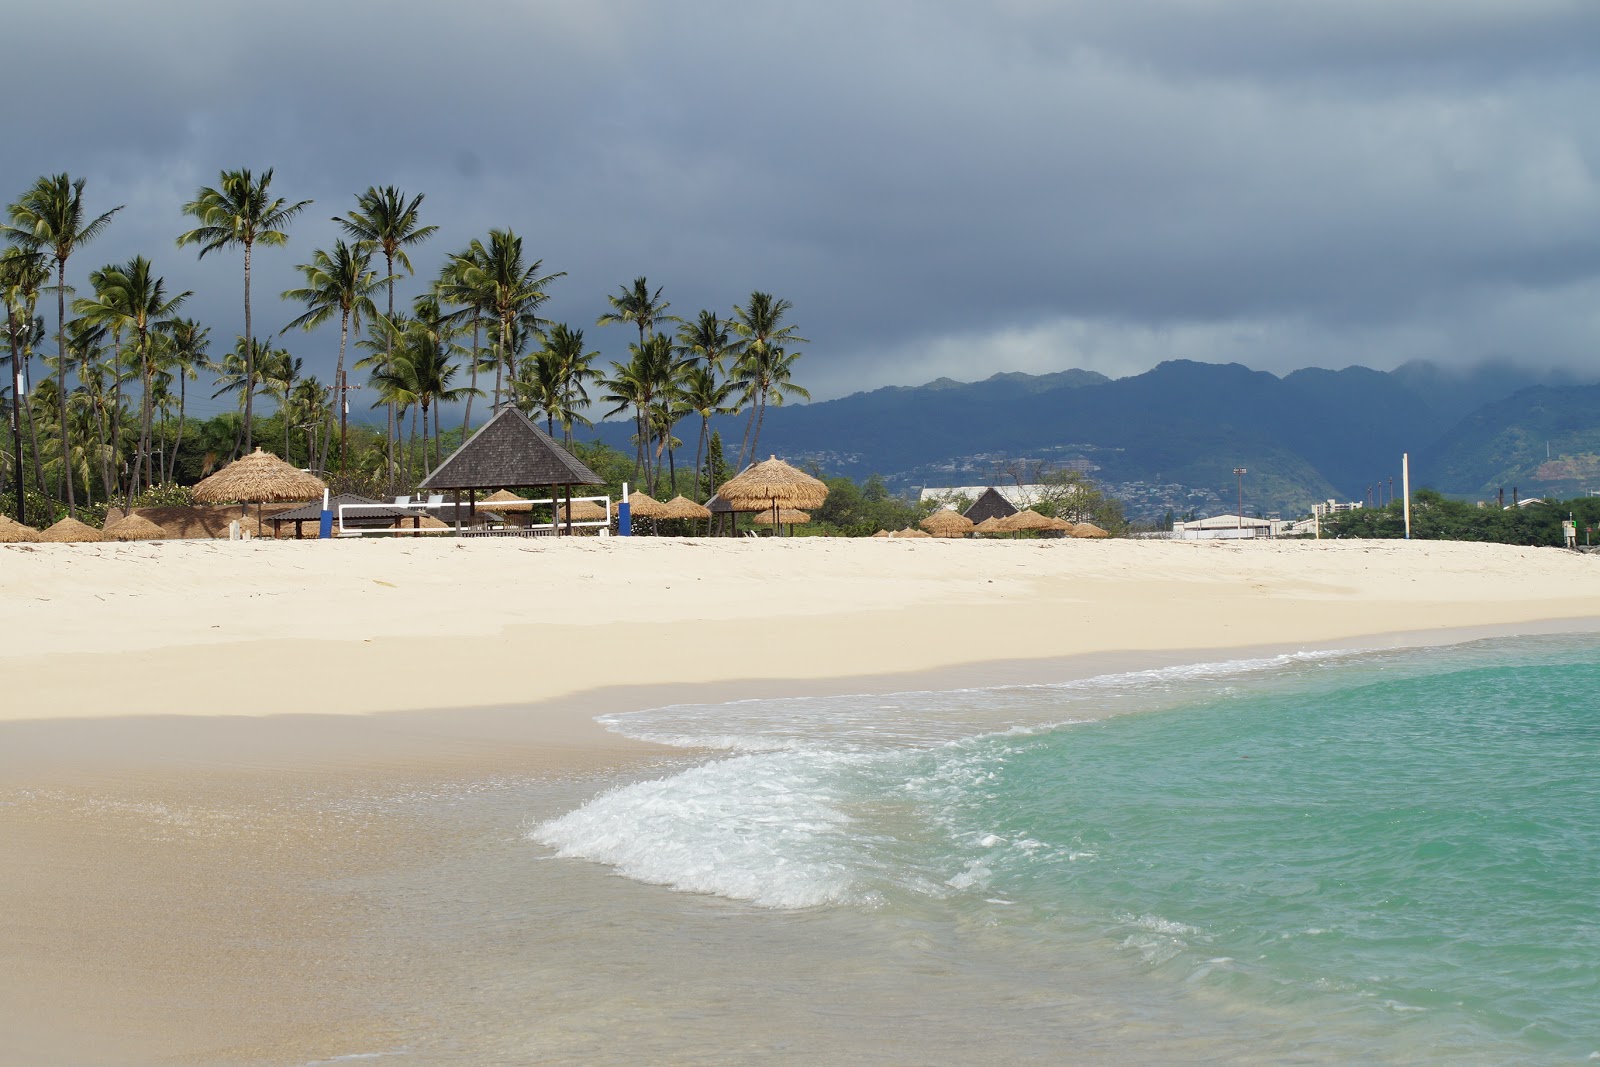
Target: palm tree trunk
x=61 y=379
x=427 y=469
x=249 y=357
x=16 y=425
x=761 y=416
x=177 y=440
x=466 y=420
x=339 y=389
x=388 y=364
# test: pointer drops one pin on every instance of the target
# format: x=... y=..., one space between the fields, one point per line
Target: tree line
x=108 y=421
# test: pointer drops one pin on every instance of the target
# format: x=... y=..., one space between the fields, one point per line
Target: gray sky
x=941 y=187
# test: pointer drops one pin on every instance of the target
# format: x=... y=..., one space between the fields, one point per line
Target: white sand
x=253 y=628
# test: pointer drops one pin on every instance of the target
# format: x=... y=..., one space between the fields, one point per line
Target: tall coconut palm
x=766 y=377
x=760 y=326
x=341 y=281
x=706 y=395
x=569 y=370
x=187 y=354
x=642 y=383
x=240 y=211
x=385 y=221
x=133 y=297
x=100 y=383
x=511 y=290
x=23 y=273
x=454 y=286
x=637 y=304
x=279 y=372
x=50 y=217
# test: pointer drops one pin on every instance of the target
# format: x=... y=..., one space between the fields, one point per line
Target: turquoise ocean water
x=1393 y=855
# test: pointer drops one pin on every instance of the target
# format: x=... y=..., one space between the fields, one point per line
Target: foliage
x=1437 y=518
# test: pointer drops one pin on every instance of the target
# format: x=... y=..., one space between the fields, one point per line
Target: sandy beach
x=201 y=742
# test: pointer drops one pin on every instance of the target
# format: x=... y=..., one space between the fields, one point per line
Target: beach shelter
x=910 y=531
x=256 y=479
x=681 y=507
x=772 y=485
x=992 y=525
x=582 y=511
x=134 y=528
x=883 y=533
x=645 y=506
x=790 y=517
x=990 y=505
x=506 y=501
x=509 y=452
x=728 y=509
x=1089 y=529
x=1066 y=527
x=1026 y=520
x=947 y=523
x=70 y=529
x=13 y=532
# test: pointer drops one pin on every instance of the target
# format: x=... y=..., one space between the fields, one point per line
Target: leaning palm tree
x=240 y=211
x=341 y=281
x=766 y=377
x=134 y=298
x=638 y=305
x=759 y=324
x=385 y=221
x=49 y=217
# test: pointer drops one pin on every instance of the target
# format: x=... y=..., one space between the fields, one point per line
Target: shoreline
x=195 y=824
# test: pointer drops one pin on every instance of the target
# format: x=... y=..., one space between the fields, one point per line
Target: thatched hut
x=13 y=532
x=582 y=511
x=645 y=506
x=992 y=525
x=134 y=528
x=1026 y=520
x=773 y=485
x=258 y=478
x=910 y=531
x=784 y=517
x=1065 y=526
x=1089 y=529
x=883 y=533
x=947 y=523
x=509 y=452
x=505 y=501
x=71 y=530
x=681 y=507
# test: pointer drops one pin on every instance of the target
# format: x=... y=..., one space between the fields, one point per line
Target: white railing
x=436 y=503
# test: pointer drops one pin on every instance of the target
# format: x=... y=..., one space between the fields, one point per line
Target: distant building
x=1018 y=496
x=1227 y=527
x=991 y=504
x=1333 y=507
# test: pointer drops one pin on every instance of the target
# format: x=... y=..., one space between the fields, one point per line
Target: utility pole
x=1239 y=473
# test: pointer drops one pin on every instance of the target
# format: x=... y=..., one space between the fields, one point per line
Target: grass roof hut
x=71 y=530
x=883 y=533
x=13 y=532
x=1089 y=529
x=990 y=505
x=509 y=452
x=1027 y=520
x=790 y=517
x=1064 y=525
x=994 y=524
x=582 y=511
x=681 y=507
x=256 y=479
x=506 y=501
x=775 y=484
x=134 y=528
x=947 y=523
x=911 y=531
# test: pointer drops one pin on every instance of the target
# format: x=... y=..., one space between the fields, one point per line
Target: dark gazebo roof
x=509 y=452
x=718 y=506
x=990 y=505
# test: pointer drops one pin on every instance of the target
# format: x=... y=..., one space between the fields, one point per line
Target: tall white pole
x=1405 y=488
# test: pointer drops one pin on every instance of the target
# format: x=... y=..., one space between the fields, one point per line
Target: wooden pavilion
x=507 y=452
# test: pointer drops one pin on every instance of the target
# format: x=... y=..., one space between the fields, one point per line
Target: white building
x=1219 y=527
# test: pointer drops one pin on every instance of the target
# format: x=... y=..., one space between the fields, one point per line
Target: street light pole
x=1240 y=472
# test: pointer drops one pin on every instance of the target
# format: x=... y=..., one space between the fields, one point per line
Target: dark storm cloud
x=939 y=187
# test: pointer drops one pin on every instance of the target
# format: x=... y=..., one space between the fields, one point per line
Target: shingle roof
x=369 y=514
x=991 y=505
x=509 y=452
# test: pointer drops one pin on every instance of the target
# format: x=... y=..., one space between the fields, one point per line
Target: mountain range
x=1170 y=438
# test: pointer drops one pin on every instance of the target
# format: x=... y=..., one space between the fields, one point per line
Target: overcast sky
x=941 y=187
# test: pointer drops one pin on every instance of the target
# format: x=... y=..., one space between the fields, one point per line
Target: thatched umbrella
x=992 y=525
x=1058 y=523
x=582 y=511
x=883 y=533
x=772 y=484
x=13 y=532
x=681 y=507
x=947 y=523
x=134 y=528
x=785 y=517
x=504 y=500
x=645 y=506
x=70 y=529
x=1026 y=520
x=256 y=479
x=910 y=531
x=1089 y=529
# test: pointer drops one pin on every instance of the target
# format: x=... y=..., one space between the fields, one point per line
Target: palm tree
x=50 y=217
x=187 y=354
x=342 y=281
x=233 y=375
x=643 y=383
x=511 y=291
x=134 y=298
x=385 y=221
x=706 y=395
x=636 y=304
x=279 y=372
x=568 y=370
x=760 y=327
x=23 y=273
x=240 y=211
x=765 y=375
